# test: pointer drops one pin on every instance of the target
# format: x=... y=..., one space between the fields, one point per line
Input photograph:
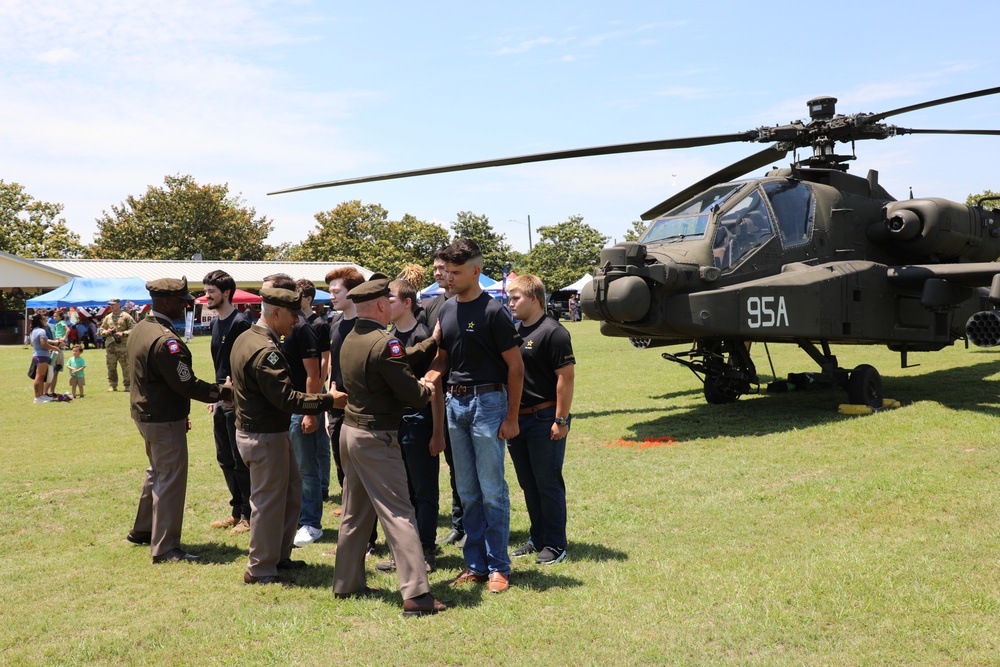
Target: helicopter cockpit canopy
x=744 y=227
x=690 y=219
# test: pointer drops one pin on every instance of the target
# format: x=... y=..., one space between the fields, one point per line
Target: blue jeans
x=473 y=422
x=538 y=462
x=309 y=451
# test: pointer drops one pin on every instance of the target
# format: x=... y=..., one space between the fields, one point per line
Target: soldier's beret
x=373 y=288
x=285 y=298
x=170 y=287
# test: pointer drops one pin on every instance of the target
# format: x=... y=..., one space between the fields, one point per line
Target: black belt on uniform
x=250 y=427
x=535 y=408
x=474 y=389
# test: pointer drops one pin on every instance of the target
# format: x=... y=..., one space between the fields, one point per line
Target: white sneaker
x=307 y=535
x=43 y=399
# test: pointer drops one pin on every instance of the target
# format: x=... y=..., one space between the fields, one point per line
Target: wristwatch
x=562 y=421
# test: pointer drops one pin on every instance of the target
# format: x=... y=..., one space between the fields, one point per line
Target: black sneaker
x=525 y=549
x=550 y=555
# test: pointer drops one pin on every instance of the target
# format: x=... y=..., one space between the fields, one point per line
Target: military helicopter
x=807 y=254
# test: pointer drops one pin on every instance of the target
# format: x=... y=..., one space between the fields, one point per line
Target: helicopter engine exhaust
x=946 y=230
x=983 y=329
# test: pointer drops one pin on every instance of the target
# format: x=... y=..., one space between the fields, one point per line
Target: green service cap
x=373 y=288
x=170 y=287
x=285 y=298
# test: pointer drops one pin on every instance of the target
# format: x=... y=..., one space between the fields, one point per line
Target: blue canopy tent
x=89 y=292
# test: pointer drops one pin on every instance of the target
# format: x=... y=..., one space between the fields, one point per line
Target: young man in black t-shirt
x=539 y=450
x=480 y=346
x=430 y=316
x=339 y=282
x=230 y=323
x=421 y=433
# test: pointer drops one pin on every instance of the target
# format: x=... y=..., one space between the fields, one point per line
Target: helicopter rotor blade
x=933 y=103
x=733 y=171
x=663 y=144
x=910 y=130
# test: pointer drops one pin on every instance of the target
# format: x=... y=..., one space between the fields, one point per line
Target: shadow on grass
x=213 y=553
x=954 y=388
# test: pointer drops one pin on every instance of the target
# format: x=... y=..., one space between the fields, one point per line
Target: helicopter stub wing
x=972 y=274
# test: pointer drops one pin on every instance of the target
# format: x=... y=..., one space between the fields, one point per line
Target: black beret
x=285 y=298
x=170 y=287
x=376 y=286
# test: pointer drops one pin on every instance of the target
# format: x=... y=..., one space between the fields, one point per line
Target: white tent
x=578 y=285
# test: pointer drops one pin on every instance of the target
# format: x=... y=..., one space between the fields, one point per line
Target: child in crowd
x=77 y=370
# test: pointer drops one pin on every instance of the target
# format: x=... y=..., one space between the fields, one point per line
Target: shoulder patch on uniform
x=395 y=347
x=173 y=346
x=273 y=358
x=183 y=371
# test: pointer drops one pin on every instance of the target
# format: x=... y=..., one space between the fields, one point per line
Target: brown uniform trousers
x=275 y=498
x=161 y=503
x=375 y=485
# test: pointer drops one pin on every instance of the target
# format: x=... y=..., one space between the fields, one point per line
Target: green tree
x=638 y=227
x=496 y=250
x=972 y=199
x=182 y=219
x=363 y=234
x=565 y=252
x=32 y=228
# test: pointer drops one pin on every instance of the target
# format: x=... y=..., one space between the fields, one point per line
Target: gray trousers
x=375 y=485
x=275 y=498
x=161 y=503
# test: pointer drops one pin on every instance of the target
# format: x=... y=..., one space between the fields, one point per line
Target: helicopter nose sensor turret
x=624 y=282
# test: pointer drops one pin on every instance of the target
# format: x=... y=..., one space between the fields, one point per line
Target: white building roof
x=16 y=272
x=246 y=274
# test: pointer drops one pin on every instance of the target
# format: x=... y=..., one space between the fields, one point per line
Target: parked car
x=557 y=304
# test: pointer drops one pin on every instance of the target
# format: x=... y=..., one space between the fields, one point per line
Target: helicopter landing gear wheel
x=864 y=387
x=720 y=390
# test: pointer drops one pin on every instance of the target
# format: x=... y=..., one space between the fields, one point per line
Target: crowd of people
x=386 y=386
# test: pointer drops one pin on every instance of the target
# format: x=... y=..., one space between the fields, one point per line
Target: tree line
x=181 y=219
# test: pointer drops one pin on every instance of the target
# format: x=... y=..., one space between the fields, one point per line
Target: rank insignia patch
x=395 y=348
x=173 y=346
x=183 y=371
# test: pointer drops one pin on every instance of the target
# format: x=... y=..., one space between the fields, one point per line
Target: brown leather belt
x=474 y=389
x=535 y=408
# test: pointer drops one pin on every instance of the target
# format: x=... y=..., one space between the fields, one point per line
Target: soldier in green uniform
x=264 y=402
x=379 y=385
x=115 y=329
x=161 y=392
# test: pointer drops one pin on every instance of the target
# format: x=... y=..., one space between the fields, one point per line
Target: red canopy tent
x=239 y=296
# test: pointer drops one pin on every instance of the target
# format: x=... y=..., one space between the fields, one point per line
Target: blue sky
x=101 y=99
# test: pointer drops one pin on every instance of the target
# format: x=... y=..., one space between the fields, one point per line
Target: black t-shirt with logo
x=475 y=334
x=418 y=333
x=322 y=329
x=224 y=334
x=545 y=347
x=339 y=328
x=300 y=344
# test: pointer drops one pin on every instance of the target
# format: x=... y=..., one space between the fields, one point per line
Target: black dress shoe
x=289 y=564
x=270 y=579
x=423 y=606
x=176 y=556
x=139 y=537
x=452 y=537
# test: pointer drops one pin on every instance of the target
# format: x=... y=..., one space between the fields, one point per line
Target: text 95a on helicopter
x=808 y=255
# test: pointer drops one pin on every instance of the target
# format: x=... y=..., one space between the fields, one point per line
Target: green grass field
x=772 y=531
